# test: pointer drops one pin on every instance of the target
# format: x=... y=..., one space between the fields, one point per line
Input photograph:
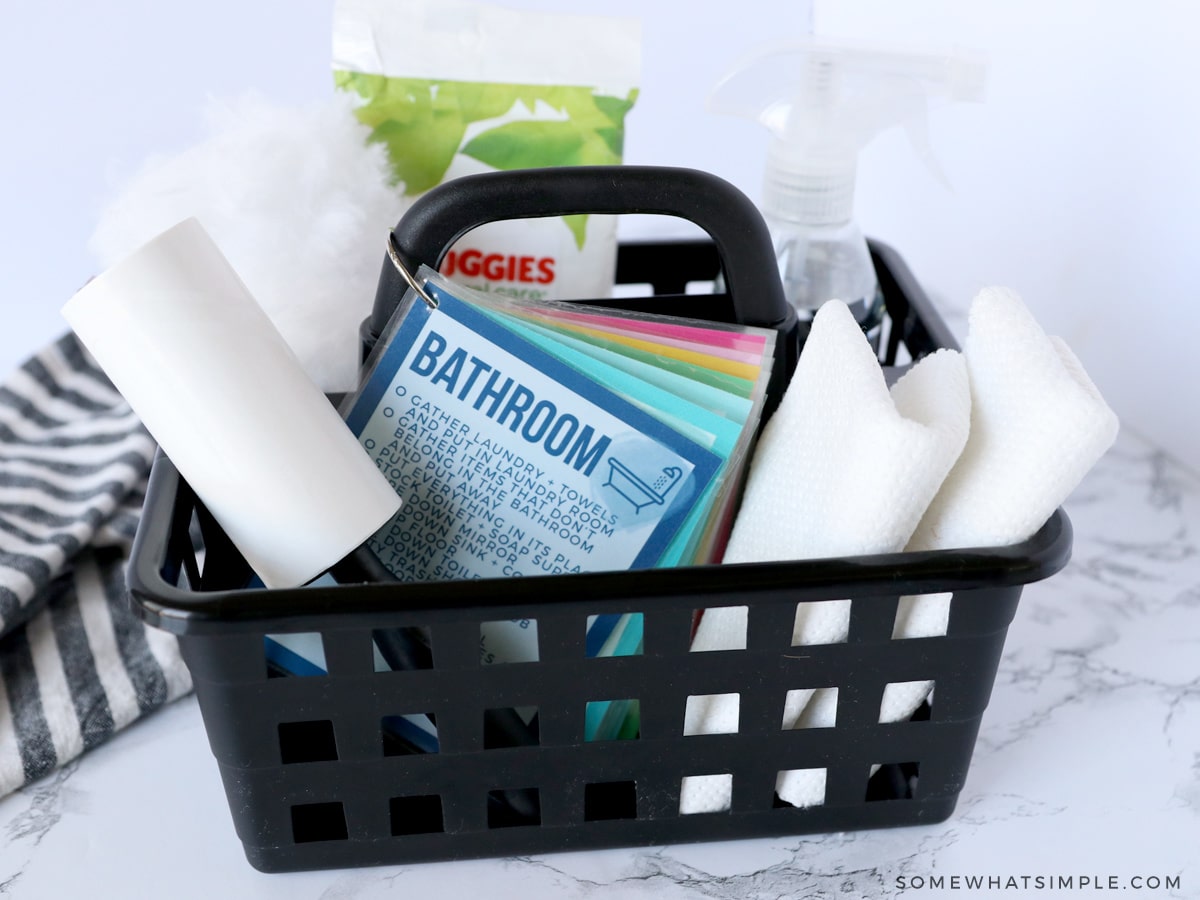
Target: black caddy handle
x=444 y=214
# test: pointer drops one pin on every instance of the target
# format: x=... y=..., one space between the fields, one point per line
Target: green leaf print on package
x=452 y=88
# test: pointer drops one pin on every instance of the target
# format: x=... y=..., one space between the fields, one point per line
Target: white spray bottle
x=823 y=101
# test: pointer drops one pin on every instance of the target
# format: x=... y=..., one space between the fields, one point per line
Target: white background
x=1076 y=182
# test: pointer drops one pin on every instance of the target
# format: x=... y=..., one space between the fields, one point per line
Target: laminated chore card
x=702 y=425
x=738 y=353
x=530 y=439
x=711 y=397
x=509 y=461
x=706 y=380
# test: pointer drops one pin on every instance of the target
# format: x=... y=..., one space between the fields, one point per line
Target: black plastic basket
x=311 y=778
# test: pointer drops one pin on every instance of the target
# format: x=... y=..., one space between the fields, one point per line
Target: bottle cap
x=823 y=100
x=807 y=192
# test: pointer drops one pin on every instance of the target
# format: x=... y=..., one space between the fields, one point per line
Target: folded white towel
x=1038 y=424
x=844 y=467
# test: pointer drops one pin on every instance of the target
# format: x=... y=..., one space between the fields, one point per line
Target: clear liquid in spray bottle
x=822 y=102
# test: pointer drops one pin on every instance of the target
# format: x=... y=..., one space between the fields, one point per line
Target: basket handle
x=444 y=214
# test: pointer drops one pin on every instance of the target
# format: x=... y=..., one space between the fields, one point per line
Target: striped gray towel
x=76 y=663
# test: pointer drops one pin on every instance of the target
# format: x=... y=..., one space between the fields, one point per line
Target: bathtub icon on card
x=629 y=485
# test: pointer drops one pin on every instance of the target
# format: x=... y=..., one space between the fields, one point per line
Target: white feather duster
x=297 y=200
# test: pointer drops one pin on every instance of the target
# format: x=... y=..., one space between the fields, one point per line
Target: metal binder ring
x=394 y=256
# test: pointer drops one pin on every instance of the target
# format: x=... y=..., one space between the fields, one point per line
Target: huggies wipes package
x=454 y=88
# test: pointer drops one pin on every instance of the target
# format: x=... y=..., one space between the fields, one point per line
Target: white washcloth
x=845 y=467
x=842 y=468
x=1038 y=424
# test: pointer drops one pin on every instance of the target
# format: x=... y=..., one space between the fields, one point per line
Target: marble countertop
x=1087 y=767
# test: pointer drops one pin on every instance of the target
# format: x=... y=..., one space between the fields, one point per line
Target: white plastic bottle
x=823 y=101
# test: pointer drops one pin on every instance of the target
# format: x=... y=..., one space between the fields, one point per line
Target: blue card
x=511 y=463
